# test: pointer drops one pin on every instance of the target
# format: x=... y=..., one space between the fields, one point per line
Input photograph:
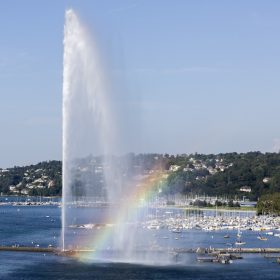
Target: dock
x=231 y=250
x=58 y=251
x=248 y=250
x=29 y=249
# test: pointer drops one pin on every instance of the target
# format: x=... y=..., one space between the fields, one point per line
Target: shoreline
x=221 y=209
x=184 y=208
x=35 y=202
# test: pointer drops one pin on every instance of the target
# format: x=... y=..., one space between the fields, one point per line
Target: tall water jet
x=87 y=121
x=103 y=201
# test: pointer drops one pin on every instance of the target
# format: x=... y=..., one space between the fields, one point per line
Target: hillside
x=247 y=174
x=250 y=174
x=43 y=178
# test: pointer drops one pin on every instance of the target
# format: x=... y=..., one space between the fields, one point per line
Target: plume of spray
x=89 y=129
x=88 y=126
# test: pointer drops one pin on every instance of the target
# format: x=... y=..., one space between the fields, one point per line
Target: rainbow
x=137 y=199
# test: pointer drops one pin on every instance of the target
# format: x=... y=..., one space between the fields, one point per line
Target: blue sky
x=194 y=76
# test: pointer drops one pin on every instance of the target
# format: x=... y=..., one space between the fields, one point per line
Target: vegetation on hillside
x=259 y=172
x=41 y=179
x=269 y=204
x=233 y=175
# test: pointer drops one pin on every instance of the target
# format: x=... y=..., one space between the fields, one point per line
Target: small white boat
x=176 y=230
x=239 y=243
x=262 y=238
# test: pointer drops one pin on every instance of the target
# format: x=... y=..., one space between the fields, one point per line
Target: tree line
x=259 y=171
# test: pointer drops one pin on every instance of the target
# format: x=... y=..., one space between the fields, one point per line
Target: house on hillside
x=13 y=189
x=247 y=189
x=266 y=180
x=25 y=191
x=174 y=168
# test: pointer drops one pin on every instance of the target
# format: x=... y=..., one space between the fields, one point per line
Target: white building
x=25 y=191
x=174 y=168
x=266 y=180
x=247 y=189
x=13 y=189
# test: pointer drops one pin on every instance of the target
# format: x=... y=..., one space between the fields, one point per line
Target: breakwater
x=230 y=250
x=179 y=250
x=29 y=249
x=248 y=250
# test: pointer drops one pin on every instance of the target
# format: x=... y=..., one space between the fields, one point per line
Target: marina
x=178 y=234
x=177 y=221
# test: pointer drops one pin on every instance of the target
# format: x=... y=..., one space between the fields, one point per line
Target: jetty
x=29 y=249
x=248 y=250
x=230 y=250
x=58 y=251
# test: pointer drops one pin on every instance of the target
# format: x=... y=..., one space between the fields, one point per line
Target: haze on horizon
x=188 y=76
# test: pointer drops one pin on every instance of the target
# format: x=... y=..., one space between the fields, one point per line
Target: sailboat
x=239 y=242
x=262 y=238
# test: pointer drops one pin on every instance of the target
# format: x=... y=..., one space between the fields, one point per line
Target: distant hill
x=43 y=178
x=251 y=174
x=232 y=174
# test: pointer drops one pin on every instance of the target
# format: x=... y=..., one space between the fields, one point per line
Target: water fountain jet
x=91 y=174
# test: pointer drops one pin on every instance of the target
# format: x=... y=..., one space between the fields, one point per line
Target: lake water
x=40 y=225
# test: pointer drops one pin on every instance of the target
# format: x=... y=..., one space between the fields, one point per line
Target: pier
x=248 y=250
x=29 y=249
x=179 y=250
x=231 y=250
